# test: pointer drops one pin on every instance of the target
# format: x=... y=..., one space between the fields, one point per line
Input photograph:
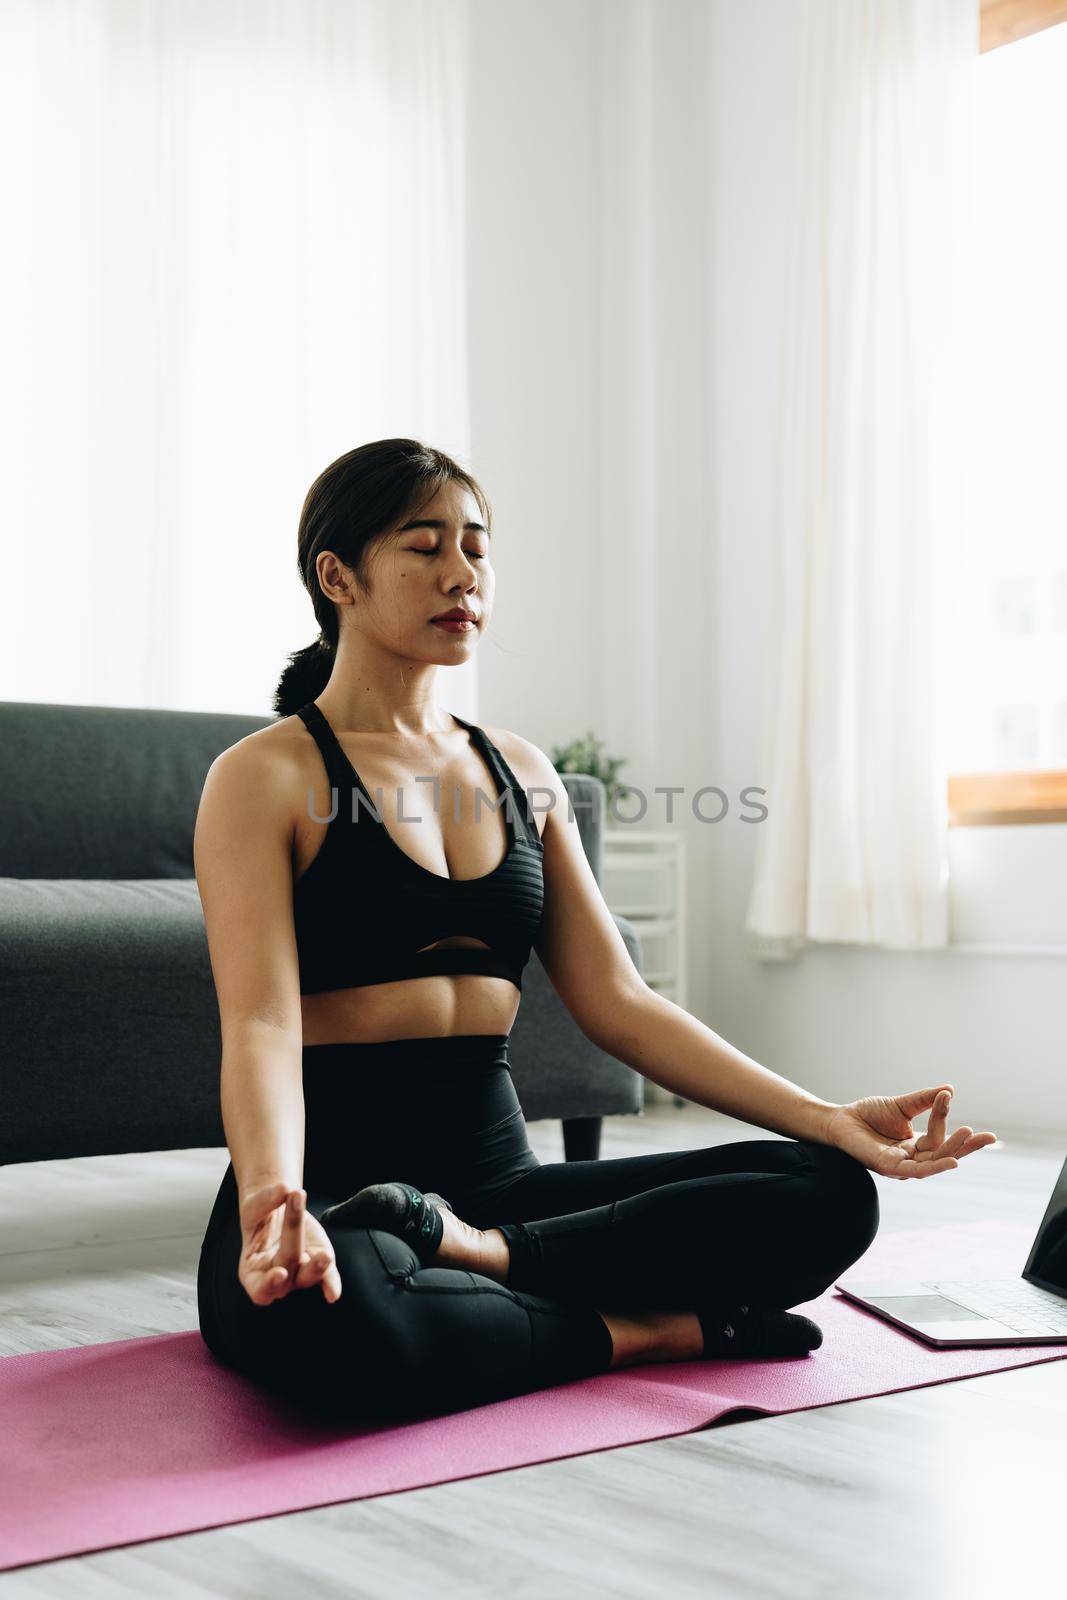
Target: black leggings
x=767 y=1222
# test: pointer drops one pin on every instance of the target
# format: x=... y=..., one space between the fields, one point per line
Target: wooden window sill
x=1004 y=21
x=989 y=799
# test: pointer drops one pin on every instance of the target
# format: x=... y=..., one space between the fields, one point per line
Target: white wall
x=533 y=275
x=547 y=369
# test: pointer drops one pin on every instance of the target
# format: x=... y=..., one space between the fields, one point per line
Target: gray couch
x=109 y=1026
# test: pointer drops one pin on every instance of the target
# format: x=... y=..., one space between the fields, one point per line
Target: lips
x=459 y=615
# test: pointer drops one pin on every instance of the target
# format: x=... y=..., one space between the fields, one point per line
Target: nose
x=467 y=577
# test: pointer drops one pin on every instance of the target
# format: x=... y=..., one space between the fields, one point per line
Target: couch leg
x=581 y=1138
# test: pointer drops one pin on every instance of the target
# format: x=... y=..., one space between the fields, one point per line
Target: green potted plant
x=585 y=755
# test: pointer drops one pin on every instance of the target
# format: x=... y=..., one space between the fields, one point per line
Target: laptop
x=1030 y=1309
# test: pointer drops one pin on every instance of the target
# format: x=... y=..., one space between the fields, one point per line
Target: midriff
x=410 y=1008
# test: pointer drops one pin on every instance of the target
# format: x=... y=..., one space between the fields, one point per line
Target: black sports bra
x=364 y=908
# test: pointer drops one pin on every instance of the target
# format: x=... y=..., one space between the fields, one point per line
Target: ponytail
x=304 y=677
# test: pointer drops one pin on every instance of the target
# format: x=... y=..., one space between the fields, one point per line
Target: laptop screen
x=1047 y=1265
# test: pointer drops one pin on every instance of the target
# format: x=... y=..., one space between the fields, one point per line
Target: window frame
x=991 y=799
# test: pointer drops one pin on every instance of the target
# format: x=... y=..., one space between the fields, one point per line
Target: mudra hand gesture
x=284 y=1246
x=878 y=1132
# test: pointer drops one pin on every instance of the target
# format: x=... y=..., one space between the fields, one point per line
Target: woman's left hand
x=878 y=1132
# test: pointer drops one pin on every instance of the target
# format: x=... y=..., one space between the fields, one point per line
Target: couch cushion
x=109 y=1017
x=105 y=791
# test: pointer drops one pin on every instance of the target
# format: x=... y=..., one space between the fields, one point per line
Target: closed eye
x=475 y=555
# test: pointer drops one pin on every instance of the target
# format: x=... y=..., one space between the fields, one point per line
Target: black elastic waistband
x=444 y=1050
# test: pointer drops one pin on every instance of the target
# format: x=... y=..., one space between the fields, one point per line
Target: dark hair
x=359 y=498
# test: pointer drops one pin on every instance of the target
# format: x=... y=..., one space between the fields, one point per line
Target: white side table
x=644 y=881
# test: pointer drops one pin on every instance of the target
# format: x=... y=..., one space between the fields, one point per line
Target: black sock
x=399 y=1208
x=751 y=1333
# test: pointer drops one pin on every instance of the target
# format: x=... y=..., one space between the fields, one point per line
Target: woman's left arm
x=673 y=1048
x=676 y=1050
x=586 y=958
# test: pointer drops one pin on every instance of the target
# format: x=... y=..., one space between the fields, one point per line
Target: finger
x=267 y=1290
x=312 y=1268
x=977 y=1141
x=920 y=1100
x=925 y=1169
x=938 y=1121
x=291 y=1245
x=322 y=1268
x=277 y=1282
x=941 y=1110
x=950 y=1146
x=934 y=1137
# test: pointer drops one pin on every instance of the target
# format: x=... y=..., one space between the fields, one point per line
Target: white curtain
x=870 y=457
x=234 y=250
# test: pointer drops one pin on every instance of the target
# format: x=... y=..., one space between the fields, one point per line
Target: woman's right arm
x=242 y=852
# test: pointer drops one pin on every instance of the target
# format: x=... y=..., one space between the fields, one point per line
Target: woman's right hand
x=284 y=1247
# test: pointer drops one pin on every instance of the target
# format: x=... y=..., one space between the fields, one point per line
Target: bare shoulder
x=277 y=750
x=273 y=780
x=521 y=755
x=277 y=763
x=534 y=770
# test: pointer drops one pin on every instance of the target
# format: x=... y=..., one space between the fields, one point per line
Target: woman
x=368 y=975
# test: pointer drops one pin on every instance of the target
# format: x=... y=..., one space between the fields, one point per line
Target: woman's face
x=434 y=561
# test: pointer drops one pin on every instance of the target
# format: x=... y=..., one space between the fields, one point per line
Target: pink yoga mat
x=109 y=1444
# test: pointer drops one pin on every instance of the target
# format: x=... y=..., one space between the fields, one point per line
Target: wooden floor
x=956 y=1490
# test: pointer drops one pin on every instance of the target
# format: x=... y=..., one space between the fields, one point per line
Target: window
x=1009 y=755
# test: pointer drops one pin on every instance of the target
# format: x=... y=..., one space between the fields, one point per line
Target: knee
x=848 y=1197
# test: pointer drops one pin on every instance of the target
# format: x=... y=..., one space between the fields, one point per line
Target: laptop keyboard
x=1021 y=1306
